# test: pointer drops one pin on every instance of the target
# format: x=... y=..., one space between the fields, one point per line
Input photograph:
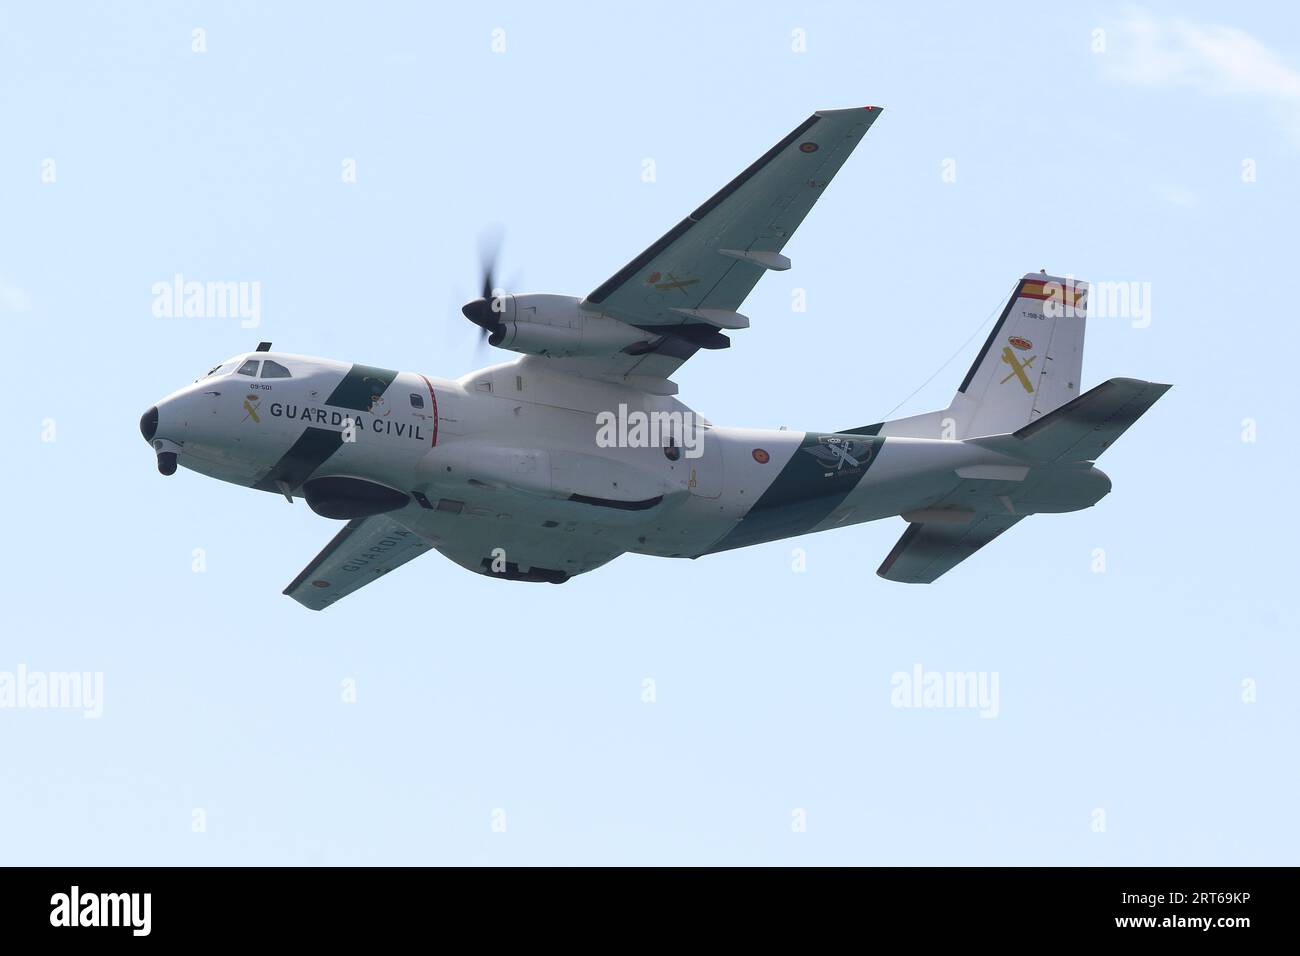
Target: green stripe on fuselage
x=864 y=430
x=813 y=483
x=313 y=447
x=360 y=387
x=358 y=391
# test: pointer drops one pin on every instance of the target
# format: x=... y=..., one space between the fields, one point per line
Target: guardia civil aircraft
x=578 y=451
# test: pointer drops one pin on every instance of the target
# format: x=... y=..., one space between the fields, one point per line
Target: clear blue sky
x=1120 y=691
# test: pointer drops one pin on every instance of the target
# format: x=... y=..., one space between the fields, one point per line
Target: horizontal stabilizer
x=925 y=551
x=1082 y=429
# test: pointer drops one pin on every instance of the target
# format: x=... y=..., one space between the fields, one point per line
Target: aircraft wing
x=926 y=551
x=689 y=284
x=366 y=549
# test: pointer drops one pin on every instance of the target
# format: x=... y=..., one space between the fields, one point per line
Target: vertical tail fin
x=1032 y=360
x=1030 y=365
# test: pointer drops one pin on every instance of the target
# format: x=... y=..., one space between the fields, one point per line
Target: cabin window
x=417 y=401
x=272 y=369
x=249 y=368
x=225 y=368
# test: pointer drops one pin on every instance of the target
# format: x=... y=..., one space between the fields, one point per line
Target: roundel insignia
x=320 y=584
x=761 y=456
x=807 y=147
x=1021 y=343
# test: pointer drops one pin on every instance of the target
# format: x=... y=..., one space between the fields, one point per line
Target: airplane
x=578 y=451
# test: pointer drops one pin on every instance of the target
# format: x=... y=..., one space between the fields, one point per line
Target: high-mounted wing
x=366 y=549
x=690 y=284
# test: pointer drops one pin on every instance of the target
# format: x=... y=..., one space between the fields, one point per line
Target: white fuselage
x=513 y=457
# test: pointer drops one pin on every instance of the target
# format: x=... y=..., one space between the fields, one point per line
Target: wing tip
x=911 y=531
x=300 y=598
x=1140 y=383
x=847 y=110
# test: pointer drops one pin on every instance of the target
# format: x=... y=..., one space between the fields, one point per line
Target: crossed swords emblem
x=1017 y=367
x=843 y=457
x=835 y=455
x=251 y=410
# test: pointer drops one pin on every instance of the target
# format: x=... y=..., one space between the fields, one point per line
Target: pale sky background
x=1120 y=691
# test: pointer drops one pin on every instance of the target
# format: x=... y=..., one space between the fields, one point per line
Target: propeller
x=485 y=311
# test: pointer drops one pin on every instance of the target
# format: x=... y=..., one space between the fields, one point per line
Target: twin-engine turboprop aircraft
x=576 y=452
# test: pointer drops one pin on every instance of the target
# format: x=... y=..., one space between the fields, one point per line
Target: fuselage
x=562 y=473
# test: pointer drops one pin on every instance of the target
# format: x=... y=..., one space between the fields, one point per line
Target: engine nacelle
x=554 y=325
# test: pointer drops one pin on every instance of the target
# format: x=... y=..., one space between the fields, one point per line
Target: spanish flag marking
x=1065 y=294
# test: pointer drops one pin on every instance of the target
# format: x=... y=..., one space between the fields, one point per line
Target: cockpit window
x=249 y=368
x=221 y=369
x=274 y=370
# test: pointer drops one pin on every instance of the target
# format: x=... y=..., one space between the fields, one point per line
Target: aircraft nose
x=165 y=449
x=149 y=423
